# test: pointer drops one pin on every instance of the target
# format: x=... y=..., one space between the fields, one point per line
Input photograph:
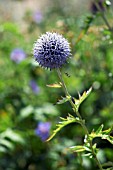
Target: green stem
x=91 y=145
x=66 y=91
x=106 y=21
x=103 y=17
x=81 y=120
x=80 y=160
x=62 y=81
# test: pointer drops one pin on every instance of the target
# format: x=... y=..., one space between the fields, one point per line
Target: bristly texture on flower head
x=51 y=50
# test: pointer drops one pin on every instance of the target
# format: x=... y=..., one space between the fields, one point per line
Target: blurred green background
x=25 y=100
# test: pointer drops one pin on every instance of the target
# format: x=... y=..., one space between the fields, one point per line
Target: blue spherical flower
x=42 y=130
x=51 y=50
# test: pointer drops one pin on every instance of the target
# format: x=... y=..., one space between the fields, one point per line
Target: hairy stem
x=81 y=120
x=66 y=91
x=62 y=81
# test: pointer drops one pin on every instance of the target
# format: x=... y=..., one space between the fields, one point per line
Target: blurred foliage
x=21 y=109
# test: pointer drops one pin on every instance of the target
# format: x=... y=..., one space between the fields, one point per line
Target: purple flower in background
x=37 y=17
x=51 y=50
x=17 y=55
x=42 y=130
x=34 y=86
x=94 y=8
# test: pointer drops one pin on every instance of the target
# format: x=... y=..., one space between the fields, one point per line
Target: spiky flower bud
x=51 y=50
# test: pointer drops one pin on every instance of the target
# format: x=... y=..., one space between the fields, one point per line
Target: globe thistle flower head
x=42 y=130
x=51 y=50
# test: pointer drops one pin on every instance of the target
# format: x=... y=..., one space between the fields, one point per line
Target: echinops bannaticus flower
x=51 y=50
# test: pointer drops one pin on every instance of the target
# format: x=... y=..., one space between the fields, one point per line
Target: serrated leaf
x=81 y=98
x=55 y=85
x=102 y=134
x=108 y=131
x=78 y=148
x=99 y=130
x=108 y=137
x=84 y=95
x=63 y=100
x=64 y=122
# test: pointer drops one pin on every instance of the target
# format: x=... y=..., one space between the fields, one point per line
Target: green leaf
x=108 y=164
x=40 y=113
x=88 y=155
x=78 y=148
x=55 y=85
x=13 y=136
x=83 y=148
x=64 y=122
x=26 y=112
x=8 y=139
x=88 y=21
x=3 y=149
x=108 y=131
x=102 y=134
x=7 y=144
x=82 y=97
x=63 y=100
x=99 y=130
x=10 y=27
x=108 y=137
